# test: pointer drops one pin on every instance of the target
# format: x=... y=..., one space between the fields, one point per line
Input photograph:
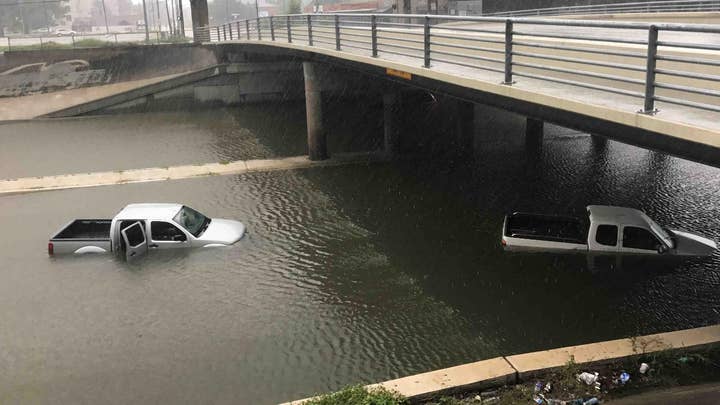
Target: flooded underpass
x=347 y=274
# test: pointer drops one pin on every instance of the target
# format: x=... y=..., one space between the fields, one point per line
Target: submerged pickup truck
x=608 y=230
x=138 y=228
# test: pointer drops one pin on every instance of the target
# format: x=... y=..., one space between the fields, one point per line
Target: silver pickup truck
x=608 y=230
x=138 y=228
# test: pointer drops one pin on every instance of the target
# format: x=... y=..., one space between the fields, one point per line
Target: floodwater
x=347 y=274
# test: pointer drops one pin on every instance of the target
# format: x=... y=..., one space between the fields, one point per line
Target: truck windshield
x=193 y=221
x=660 y=232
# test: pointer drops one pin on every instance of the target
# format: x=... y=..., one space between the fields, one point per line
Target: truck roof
x=160 y=211
x=609 y=214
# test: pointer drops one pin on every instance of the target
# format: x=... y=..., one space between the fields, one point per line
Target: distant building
x=465 y=7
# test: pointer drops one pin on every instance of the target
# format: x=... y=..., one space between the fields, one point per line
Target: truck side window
x=135 y=236
x=164 y=231
x=606 y=235
x=639 y=238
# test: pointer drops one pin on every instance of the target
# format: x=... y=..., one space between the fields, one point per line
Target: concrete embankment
x=507 y=370
x=29 y=184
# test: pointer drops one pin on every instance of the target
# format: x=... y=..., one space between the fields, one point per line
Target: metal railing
x=672 y=63
x=619 y=8
x=85 y=40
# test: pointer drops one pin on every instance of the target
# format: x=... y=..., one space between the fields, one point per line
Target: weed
x=359 y=395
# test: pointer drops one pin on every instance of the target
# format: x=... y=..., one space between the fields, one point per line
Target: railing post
x=237 y=27
x=230 y=30
x=337 y=32
x=649 y=107
x=508 y=52
x=373 y=34
x=218 y=32
x=309 y=22
x=224 y=33
x=289 y=30
x=426 y=41
x=272 y=29
x=247 y=28
x=10 y=46
x=72 y=36
x=259 y=30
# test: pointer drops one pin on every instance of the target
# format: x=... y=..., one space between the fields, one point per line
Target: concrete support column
x=465 y=127
x=200 y=20
x=533 y=134
x=391 y=122
x=317 y=142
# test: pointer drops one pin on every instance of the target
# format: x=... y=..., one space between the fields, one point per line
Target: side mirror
x=661 y=249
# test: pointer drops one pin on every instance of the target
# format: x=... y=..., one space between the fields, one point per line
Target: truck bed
x=538 y=231
x=85 y=229
x=82 y=236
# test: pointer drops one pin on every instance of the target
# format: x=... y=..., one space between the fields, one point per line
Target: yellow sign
x=398 y=73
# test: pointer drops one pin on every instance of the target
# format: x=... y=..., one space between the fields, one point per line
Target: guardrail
x=85 y=40
x=639 y=60
x=624 y=8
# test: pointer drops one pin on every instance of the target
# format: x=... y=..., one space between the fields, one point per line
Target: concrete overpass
x=652 y=85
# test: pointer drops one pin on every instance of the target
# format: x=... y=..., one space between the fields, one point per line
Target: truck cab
x=631 y=231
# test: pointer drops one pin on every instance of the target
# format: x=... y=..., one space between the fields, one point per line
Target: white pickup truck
x=611 y=230
x=140 y=227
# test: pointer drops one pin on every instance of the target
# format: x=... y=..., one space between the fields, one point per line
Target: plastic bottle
x=588 y=378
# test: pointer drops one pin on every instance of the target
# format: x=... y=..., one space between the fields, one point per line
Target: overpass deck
x=587 y=75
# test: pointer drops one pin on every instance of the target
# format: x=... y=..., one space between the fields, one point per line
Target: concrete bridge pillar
x=465 y=127
x=317 y=141
x=200 y=20
x=391 y=122
x=533 y=134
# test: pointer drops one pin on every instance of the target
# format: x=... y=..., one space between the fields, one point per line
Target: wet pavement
x=347 y=274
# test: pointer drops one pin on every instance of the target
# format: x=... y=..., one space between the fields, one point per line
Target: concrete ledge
x=478 y=375
x=514 y=369
x=530 y=364
x=45 y=183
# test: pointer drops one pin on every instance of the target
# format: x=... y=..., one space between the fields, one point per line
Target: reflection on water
x=347 y=274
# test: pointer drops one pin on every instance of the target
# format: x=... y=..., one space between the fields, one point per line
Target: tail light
x=503 y=242
x=51 y=248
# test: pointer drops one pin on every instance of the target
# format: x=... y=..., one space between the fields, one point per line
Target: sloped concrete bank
x=509 y=370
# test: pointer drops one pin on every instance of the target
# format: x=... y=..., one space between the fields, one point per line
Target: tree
x=293 y=7
x=27 y=15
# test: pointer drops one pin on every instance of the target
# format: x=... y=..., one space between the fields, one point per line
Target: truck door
x=603 y=245
x=136 y=245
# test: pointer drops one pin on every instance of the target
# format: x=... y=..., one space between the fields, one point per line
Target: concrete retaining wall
x=109 y=65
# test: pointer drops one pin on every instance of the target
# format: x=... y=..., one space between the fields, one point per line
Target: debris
x=591 y=401
x=488 y=394
x=644 y=367
x=491 y=400
x=624 y=377
x=538 y=400
x=538 y=387
x=547 y=388
x=588 y=378
x=478 y=398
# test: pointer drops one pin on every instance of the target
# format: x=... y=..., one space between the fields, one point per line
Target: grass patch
x=359 y=395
